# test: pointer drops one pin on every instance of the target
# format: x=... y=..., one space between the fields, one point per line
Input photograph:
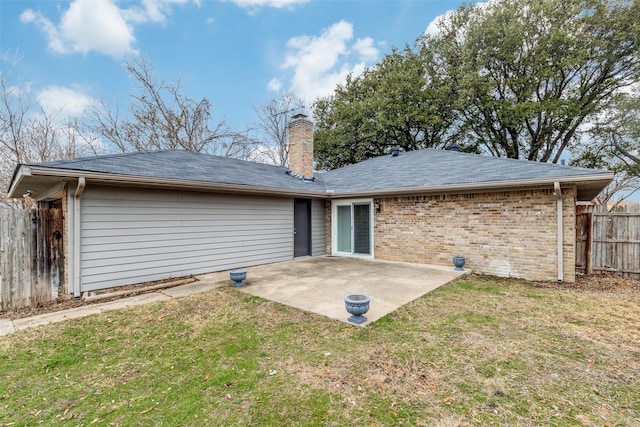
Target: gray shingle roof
x=190 y=166
x=423 y=169
x=435 y=168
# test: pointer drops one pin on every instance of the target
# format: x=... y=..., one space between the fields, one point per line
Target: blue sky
x=236 y=53
x=239 y=54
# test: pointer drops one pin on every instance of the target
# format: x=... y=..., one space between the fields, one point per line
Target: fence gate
x=31 y=256
x=583 y=243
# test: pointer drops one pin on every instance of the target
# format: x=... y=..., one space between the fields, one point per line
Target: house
x=137 y=217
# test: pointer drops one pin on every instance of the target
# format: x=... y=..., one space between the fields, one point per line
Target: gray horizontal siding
x=318 y=224
x=132 y=236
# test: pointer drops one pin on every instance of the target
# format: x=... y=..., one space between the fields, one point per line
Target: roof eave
x=132 y=180
x=18 y=174
x=601 y=180
x=592 y=184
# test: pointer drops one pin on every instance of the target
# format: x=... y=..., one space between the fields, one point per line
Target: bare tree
x=29 y=134
x=624 y=131
x=614 y=144
x=273 y=124
x=239 y=145
x=161 y=117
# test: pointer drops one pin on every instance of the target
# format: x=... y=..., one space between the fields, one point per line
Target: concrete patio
x=319 y=284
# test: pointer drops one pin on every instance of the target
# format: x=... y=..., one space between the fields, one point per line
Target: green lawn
x=480 y=351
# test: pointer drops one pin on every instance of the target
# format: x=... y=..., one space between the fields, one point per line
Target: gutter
x=102 y=177
x=558 y=193
x=76 y=235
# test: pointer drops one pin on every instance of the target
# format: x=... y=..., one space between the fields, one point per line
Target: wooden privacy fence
x=31 y=257
x=608 y=241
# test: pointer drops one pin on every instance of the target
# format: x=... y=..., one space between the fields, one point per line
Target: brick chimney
x=301 y=146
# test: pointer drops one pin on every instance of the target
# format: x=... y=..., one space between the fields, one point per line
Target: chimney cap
x=299 y=116
x=395 y=151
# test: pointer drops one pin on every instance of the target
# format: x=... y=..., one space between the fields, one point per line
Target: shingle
x=430 y=167
x=421 y=168
x=190 y=166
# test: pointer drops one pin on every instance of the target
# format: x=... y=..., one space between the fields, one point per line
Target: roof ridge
x=76 y=160
x=499 y=158
x=477 y=156
x=101 y=156
x=131 y=154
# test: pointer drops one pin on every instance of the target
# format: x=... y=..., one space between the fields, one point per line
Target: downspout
x=558 y=193
x=76 y=236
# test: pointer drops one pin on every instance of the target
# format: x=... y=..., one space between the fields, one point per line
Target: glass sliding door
x=361 y=229
x=344 y=228
x=352 y=230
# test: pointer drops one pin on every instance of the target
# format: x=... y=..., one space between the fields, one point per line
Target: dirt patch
x=67 y=303
x=60 y=304
x=607 y=282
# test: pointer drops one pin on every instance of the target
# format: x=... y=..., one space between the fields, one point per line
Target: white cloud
x=59 y=100
x=46 y=26
x=365 y=47
x=274 y=85
x=319 y=63
x=153 y=10
x=432 y=28
x=264 y=154
x=87 y=25
x=268 y=3
x=99 y=25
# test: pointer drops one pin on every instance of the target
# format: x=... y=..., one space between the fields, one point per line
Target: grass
x=481 y=351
